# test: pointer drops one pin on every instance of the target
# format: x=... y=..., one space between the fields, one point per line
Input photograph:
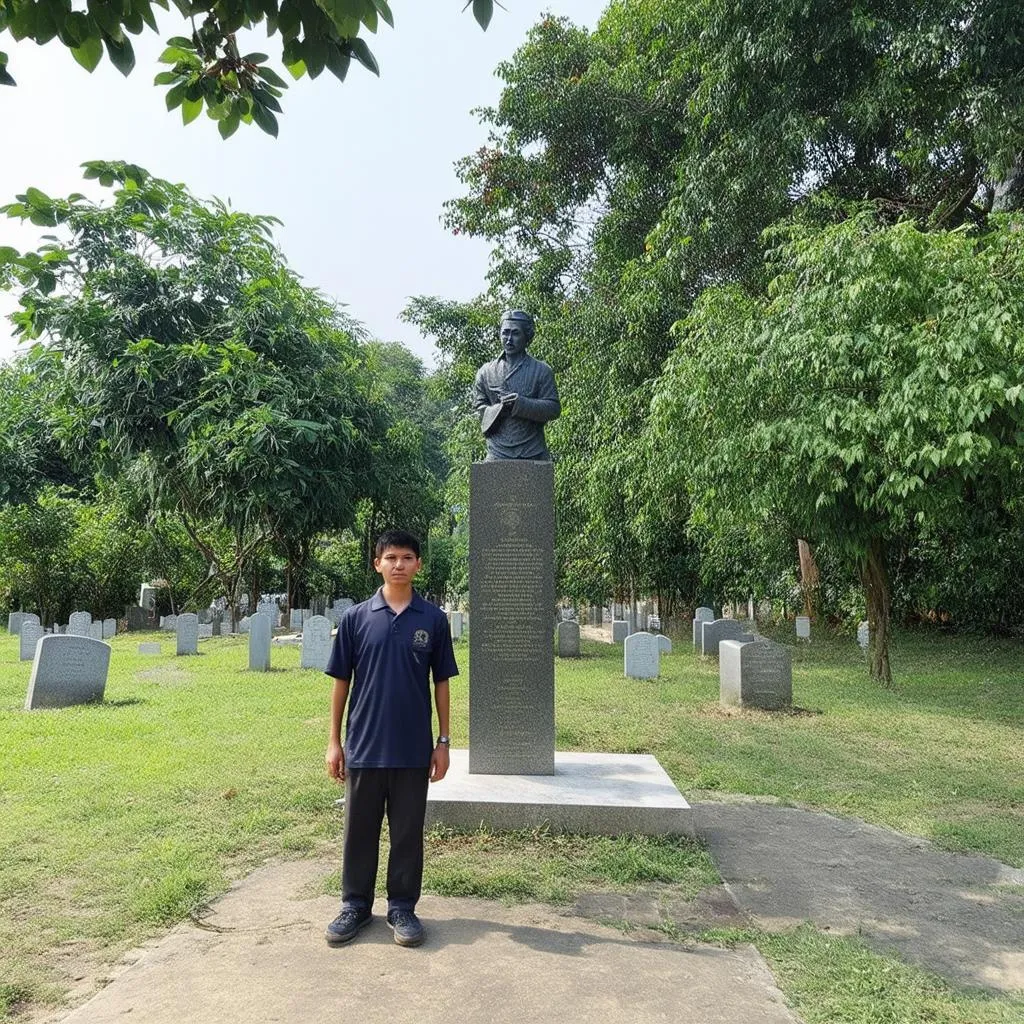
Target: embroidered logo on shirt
x=421 y=640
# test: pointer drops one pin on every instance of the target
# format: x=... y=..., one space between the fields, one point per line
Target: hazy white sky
x=357 y=175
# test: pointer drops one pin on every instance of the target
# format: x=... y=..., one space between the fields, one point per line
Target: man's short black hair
x=396 y=539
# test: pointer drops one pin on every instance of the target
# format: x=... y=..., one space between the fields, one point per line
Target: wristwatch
x=446 y=740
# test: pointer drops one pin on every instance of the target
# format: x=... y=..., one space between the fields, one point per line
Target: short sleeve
x=442 y=661
x=340 y=663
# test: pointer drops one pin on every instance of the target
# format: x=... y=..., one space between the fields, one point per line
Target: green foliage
x=206 y=67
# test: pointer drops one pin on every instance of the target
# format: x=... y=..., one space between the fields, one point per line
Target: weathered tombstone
x=204 y=616
x=79 y=623
x=31 y=633
x=260 y=632
x=864 y=635
x=295 y=618
x=150 y=648
x=642 y=657
x=14 y=621
x=109 y=628
x=96 y=629
x=204 y=630
x=67 y=670
x=568 y=639
x=455 y=623
x=169 y=623
x=756 y=674
x=316 y=642
x=750 y=607
x=147 y=597
x=713 y=633
x=186 y=628
x=700 y=616
x=620 y=630
x=664 y=644
x=654 y=624
x=244 y=623
x=27 y=619
x=803 y=627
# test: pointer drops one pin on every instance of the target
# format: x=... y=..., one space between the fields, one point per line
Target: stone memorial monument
x=642 y=656
x=567 y=636
x=713 y=633
x=31 y=633
x=316 y=642
x=149 y=648
x=511 y=563
x=863 y=635
x=803 y=627
x=260 y=633
x=109 y=628
x=67 y=670
x=186 y=628
x=79 y=623
x=96 y=629
x=701 y=615
x=664 y=644
x=757 y=674
x=620 y=630
x=456 y=624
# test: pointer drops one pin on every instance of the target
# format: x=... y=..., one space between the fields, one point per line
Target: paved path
x=959 y=916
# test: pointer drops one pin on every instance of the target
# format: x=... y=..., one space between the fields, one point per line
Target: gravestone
x=204 y=630
x=169 y=623
x=803 y=627
x=568 y=639
x=187 y=629
x=150 y=648
x=295 y=617
x=620 y=630
x=79 y=623
x=664 y=644
x=14 y=621
x=700 y=616
x=28 y=619
x=654 y=624
x=316 y=642
x=138 y=618
x=863 y=636
x=455 y=624
x=758 y=674
x=96 y=629
x=512 y=592
x=243 y=624
x=31 y=632
x=147 y=597
x=260 y=632
x=713 y=633
x=217 y=626
x=109 y=628
x=641 y=656
x=67 y=670
x=204 y=616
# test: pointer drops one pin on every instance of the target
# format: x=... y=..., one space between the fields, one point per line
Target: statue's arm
x=480 y=397
x=543 y=406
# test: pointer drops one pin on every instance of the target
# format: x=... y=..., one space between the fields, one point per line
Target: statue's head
x=517 y=329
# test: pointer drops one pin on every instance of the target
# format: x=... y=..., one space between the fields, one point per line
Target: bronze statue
x=515 y=395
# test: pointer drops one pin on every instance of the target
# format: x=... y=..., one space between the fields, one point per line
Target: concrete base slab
x=602 y=794
x=261 y=957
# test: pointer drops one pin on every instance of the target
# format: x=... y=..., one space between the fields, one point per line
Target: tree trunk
x=875 y=578
x=809 y=578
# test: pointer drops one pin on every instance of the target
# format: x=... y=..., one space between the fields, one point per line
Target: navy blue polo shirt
x=388 y=659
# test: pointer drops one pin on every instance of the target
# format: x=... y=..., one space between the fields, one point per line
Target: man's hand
x=439 y=762
x=335 y=761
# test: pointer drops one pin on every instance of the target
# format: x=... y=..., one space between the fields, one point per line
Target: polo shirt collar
x=377 y=602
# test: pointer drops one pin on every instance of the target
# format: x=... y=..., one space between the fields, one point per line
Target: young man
x=384 y=653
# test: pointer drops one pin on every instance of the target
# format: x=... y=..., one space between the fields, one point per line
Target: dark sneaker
x=406 y=926
x=347 y=925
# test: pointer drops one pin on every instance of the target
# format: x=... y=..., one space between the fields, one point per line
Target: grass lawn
x=119 y=819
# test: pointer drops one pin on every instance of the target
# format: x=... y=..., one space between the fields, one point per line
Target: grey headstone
x=757 y=674
x=641 y=656
x=863 y=635
x=138 y=618
x=512 y=593
x=700 y=616
x=295 y=618
x=664 y=644
x=803 y=627
x=455 y=624
x=187 y=629
x=204 y=630
x=14 y=621
x=169 y=623
x=31 y=633
x=204 y=616
x=96 y=629
x=568 y=639
x=713 y=633
x=620 y=630
x=79 y=623
x=260 y=633
x=316 y=642
x=109 y=628
x=67 y=670
x=28 y=619
x=244 y=623
x=147 y=597
x=654 y=623
x=149 y=648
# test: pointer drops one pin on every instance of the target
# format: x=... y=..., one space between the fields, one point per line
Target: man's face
x=513 y=337
x=397 y=565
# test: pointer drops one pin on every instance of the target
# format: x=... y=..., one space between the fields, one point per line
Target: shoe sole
x=337 y=940
x=408 y=943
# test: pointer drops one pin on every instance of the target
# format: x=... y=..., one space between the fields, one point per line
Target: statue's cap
x=516 y=314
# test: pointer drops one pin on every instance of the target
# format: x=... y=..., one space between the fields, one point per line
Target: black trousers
x=369 y=793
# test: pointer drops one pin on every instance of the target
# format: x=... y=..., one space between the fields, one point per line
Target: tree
x=875 y=385
x=193 y=363
x=206 y=65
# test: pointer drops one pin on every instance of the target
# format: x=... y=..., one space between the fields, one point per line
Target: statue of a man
x=515 y=395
